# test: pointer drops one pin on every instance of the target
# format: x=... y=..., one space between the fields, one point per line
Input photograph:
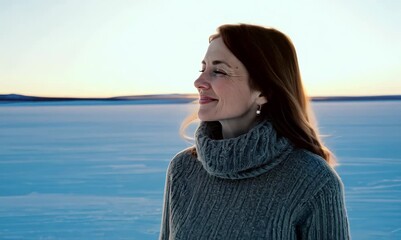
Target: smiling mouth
x=206 y=100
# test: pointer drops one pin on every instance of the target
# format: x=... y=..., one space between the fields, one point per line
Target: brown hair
x=271 y=61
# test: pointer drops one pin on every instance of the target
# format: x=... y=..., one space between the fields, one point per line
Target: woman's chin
x=204 y=117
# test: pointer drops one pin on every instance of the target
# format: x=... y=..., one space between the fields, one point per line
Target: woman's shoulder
x=182 y=161
x=314 y=170
x=188 y=154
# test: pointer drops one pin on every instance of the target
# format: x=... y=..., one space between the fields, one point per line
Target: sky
x=105 y=48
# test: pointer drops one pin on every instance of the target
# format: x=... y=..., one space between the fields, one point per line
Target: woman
x=258 y=169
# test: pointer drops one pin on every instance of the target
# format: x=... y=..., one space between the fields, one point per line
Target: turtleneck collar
x=245 y=156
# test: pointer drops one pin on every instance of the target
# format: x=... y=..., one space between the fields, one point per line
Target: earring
x=259 y=111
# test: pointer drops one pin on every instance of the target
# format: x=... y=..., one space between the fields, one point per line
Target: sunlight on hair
x=314 y=123
x=188 y=122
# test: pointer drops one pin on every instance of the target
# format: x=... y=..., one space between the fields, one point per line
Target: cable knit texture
x=255 y=186
x=248 y=155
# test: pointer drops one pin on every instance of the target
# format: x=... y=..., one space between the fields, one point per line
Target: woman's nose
x=202 y=83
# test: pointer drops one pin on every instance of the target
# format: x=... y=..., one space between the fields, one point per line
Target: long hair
x=271 y=61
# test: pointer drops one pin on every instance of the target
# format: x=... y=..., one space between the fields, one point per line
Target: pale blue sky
x=88 y=48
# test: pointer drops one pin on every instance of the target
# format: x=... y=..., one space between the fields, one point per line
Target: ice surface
x=97 y=171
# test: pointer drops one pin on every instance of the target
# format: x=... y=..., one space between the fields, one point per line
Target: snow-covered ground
x=97 y=171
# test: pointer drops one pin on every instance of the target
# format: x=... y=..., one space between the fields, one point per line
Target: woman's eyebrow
x=216 y=62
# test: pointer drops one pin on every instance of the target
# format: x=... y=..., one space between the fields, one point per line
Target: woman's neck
x=232 y=128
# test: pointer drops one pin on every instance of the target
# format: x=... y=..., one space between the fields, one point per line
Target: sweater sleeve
x=326 y=216
x=165 y=223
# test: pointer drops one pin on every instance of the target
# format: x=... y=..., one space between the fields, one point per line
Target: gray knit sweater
x=255 y=186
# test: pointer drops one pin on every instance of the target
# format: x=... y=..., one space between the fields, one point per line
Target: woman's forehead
x=218 y=53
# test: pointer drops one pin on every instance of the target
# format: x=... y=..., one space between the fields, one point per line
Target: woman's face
x=223 y=87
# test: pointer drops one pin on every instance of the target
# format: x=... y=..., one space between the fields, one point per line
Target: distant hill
x=158 y=97
x=358 y=98
x=163 y=98
x=172 y=98
x=23 y=98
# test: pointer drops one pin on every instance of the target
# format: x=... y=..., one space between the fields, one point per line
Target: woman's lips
x=206 y=100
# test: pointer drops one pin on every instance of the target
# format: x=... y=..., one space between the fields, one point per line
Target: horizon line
x=186 y=94
x=177 y=98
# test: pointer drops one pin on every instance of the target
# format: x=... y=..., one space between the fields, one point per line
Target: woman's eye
x=215 y=72
x=219 y=72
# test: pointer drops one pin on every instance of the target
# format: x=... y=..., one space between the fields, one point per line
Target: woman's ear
x=261 y=99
